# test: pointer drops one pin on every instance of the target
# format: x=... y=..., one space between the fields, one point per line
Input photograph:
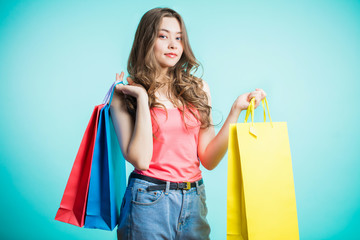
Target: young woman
x=163 y=120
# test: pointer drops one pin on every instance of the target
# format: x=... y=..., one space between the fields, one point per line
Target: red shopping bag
x=73 y=204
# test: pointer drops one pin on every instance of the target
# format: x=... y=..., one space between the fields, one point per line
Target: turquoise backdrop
x=58 y=59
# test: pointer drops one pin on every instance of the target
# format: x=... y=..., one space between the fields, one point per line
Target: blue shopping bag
x=108 y=175
x=117 y=168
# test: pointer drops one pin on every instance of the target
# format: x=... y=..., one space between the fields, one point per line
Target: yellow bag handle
x=250 y=110
x=267 y=107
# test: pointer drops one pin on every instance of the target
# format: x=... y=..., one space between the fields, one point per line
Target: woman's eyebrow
x=168 y=30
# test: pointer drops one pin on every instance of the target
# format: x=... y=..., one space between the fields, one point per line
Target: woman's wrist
x=239 y=104
x=235 y=110
x=143 y=99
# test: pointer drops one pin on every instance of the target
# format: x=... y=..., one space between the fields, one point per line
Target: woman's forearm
x=140 y=147
x=217 y=147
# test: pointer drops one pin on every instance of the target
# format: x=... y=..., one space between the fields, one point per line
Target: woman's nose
x=172 y=44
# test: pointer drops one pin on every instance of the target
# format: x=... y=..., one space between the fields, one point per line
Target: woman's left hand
x=243 y=101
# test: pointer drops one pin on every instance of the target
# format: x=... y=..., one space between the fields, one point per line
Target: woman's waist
x=172 y=174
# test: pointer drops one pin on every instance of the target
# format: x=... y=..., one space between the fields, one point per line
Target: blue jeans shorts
x=162 y=214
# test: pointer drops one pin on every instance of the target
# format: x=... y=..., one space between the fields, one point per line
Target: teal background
x=58 y=59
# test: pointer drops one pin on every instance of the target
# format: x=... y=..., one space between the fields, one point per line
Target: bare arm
x=135 y=138
x=211 y=148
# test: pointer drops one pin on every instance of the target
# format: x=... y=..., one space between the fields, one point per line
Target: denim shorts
x=162 y=214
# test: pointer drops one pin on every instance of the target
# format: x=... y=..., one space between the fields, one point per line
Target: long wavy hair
x=184 y=89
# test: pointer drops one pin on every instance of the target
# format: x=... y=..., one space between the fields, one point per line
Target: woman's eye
x=162 y=36
x=178 y=38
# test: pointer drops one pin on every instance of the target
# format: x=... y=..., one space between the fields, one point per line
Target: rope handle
x=110 y=93
x=250 y=110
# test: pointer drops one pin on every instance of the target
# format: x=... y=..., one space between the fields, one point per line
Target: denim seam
x=129 y=233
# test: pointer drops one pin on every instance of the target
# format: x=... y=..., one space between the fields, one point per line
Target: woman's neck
x=162 y=93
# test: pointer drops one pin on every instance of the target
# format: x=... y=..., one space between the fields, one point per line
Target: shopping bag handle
x=251 y=108
x=110 y=93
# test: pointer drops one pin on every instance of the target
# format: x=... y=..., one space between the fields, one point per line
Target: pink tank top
x=175 y=156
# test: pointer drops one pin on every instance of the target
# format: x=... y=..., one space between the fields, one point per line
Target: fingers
x=253 y=95
x=263 y=94
x=124 y=89
x=130 y=81
x=120 y=77
x=119 y=87
x=257 y=96
x=249 y=97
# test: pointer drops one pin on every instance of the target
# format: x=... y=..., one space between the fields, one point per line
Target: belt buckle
x=188 y=185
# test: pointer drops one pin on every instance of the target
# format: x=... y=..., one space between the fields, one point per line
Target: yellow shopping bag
x=260 y=196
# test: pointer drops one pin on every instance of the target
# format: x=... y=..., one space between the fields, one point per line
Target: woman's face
x=168 y=46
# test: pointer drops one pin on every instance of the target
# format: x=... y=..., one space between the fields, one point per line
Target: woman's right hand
x=132 y=89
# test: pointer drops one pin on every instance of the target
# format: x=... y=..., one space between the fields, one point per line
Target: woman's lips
x=170 y=55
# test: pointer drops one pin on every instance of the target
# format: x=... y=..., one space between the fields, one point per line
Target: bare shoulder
x=205 y=86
